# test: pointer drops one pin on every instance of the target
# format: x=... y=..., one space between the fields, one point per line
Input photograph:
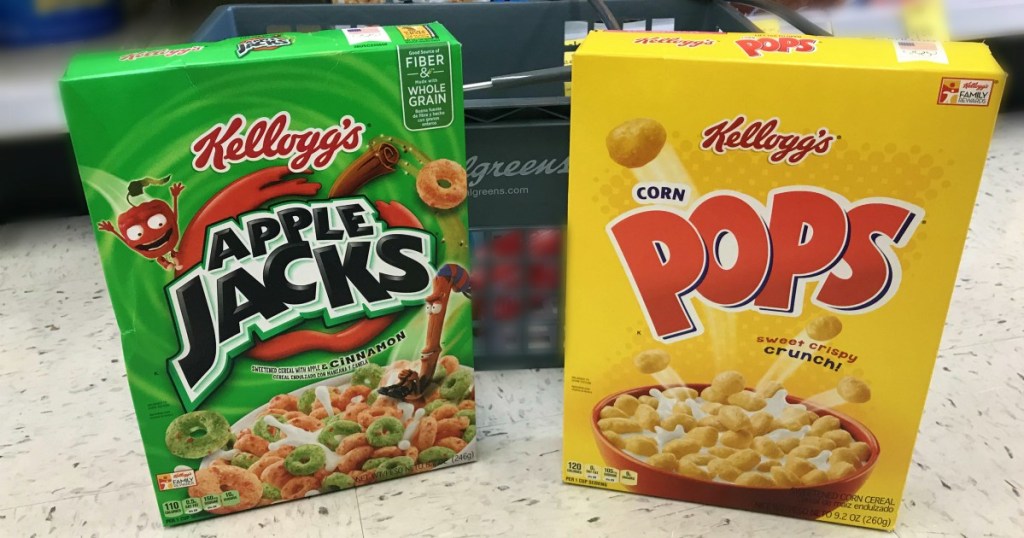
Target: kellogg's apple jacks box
x=764 y=233
x=282 y=224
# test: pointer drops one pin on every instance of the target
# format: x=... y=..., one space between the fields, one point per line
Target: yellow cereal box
x=764 y=233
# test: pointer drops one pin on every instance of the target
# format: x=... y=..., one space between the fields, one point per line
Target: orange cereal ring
x=355 y=390
x=452 y=427
x=299 y=487
x=288 y=415
x=262 y=464
x=369 y=415
x=352 y=441
x=450 y=364
x=276 y=475
x=454 y=443
x=412 y=453
x=274 y=411
x=352 y=410
x=320 y=413
x=284 y=401
x=215 y=463
x=355 y=458
x=445 y=411
x=282 y=452
x=441 y=184
x=388 y=452
x=467 y=404
x=252 y=444
x=321 y=475
x=426 y=433
x=307 y=423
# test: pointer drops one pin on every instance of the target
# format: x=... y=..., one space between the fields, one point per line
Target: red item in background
x=507 y=245
x=545 y=243
x=507 y=307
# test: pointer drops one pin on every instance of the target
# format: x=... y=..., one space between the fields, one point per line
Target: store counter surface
x=71 y=461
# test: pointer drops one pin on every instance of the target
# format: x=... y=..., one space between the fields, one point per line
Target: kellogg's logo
x=271 y=138
x=269 y=42
x=164 y=53
x=803 y=234
x=677 y=41
x=763 y=135
x=754 y=46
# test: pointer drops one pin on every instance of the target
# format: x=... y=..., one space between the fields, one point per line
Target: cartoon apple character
x=150 y=228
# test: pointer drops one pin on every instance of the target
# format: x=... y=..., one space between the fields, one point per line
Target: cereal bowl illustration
x=331 y=435
x=723 y=443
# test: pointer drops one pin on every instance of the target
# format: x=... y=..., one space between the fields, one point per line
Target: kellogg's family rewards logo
x=267 y=42
x=965 y=92
x=269 y=270
x=763 y=135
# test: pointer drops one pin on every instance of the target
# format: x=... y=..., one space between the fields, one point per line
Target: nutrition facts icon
x=192 y=505
x=627 y=477
x=610 y=474
x=574 y=467
x=172 y=508
x=230 y=498
x=593 y=472
x=211 y=502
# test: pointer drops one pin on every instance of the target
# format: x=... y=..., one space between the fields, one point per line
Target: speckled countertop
x=71 y=461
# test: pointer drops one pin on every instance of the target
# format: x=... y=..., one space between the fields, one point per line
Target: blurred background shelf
x=30 y=105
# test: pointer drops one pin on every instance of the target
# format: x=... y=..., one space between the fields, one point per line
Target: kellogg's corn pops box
x=282 y=224
x=764 y=233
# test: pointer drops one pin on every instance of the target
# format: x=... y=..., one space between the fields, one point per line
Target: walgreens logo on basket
x=755 y=46
x=735 y=253
x=763 y=135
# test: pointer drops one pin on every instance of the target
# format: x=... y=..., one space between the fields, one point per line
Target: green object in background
x=260 y=228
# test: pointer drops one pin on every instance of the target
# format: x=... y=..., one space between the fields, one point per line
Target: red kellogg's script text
x=803 y=234
x=762 y=135
x=270 y=138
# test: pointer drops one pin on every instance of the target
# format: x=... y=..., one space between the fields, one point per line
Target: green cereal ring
x=469 y=434
x=336 y=430
x=262 y=429
x=336 y=482
x=305 y=460
x=436 y=455
x=372 y=397
x=471 y=413
x=395 y=467
x=197 y=434
x=368 y=375
x=385 y=431
x=244 y=460
x=439 y=374
x=270 y=492
x=231 y=442
x=306 y=401
x=432 y=406
x=373 y=463
x=456 y=386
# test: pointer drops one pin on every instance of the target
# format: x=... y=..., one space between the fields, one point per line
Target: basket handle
x=796 y=20
x=564 y=73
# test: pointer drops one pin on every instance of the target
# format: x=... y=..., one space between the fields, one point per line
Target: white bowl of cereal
x=339 y=433
x=767 y=452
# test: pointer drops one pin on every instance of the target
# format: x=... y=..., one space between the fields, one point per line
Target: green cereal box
x=282 y=224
